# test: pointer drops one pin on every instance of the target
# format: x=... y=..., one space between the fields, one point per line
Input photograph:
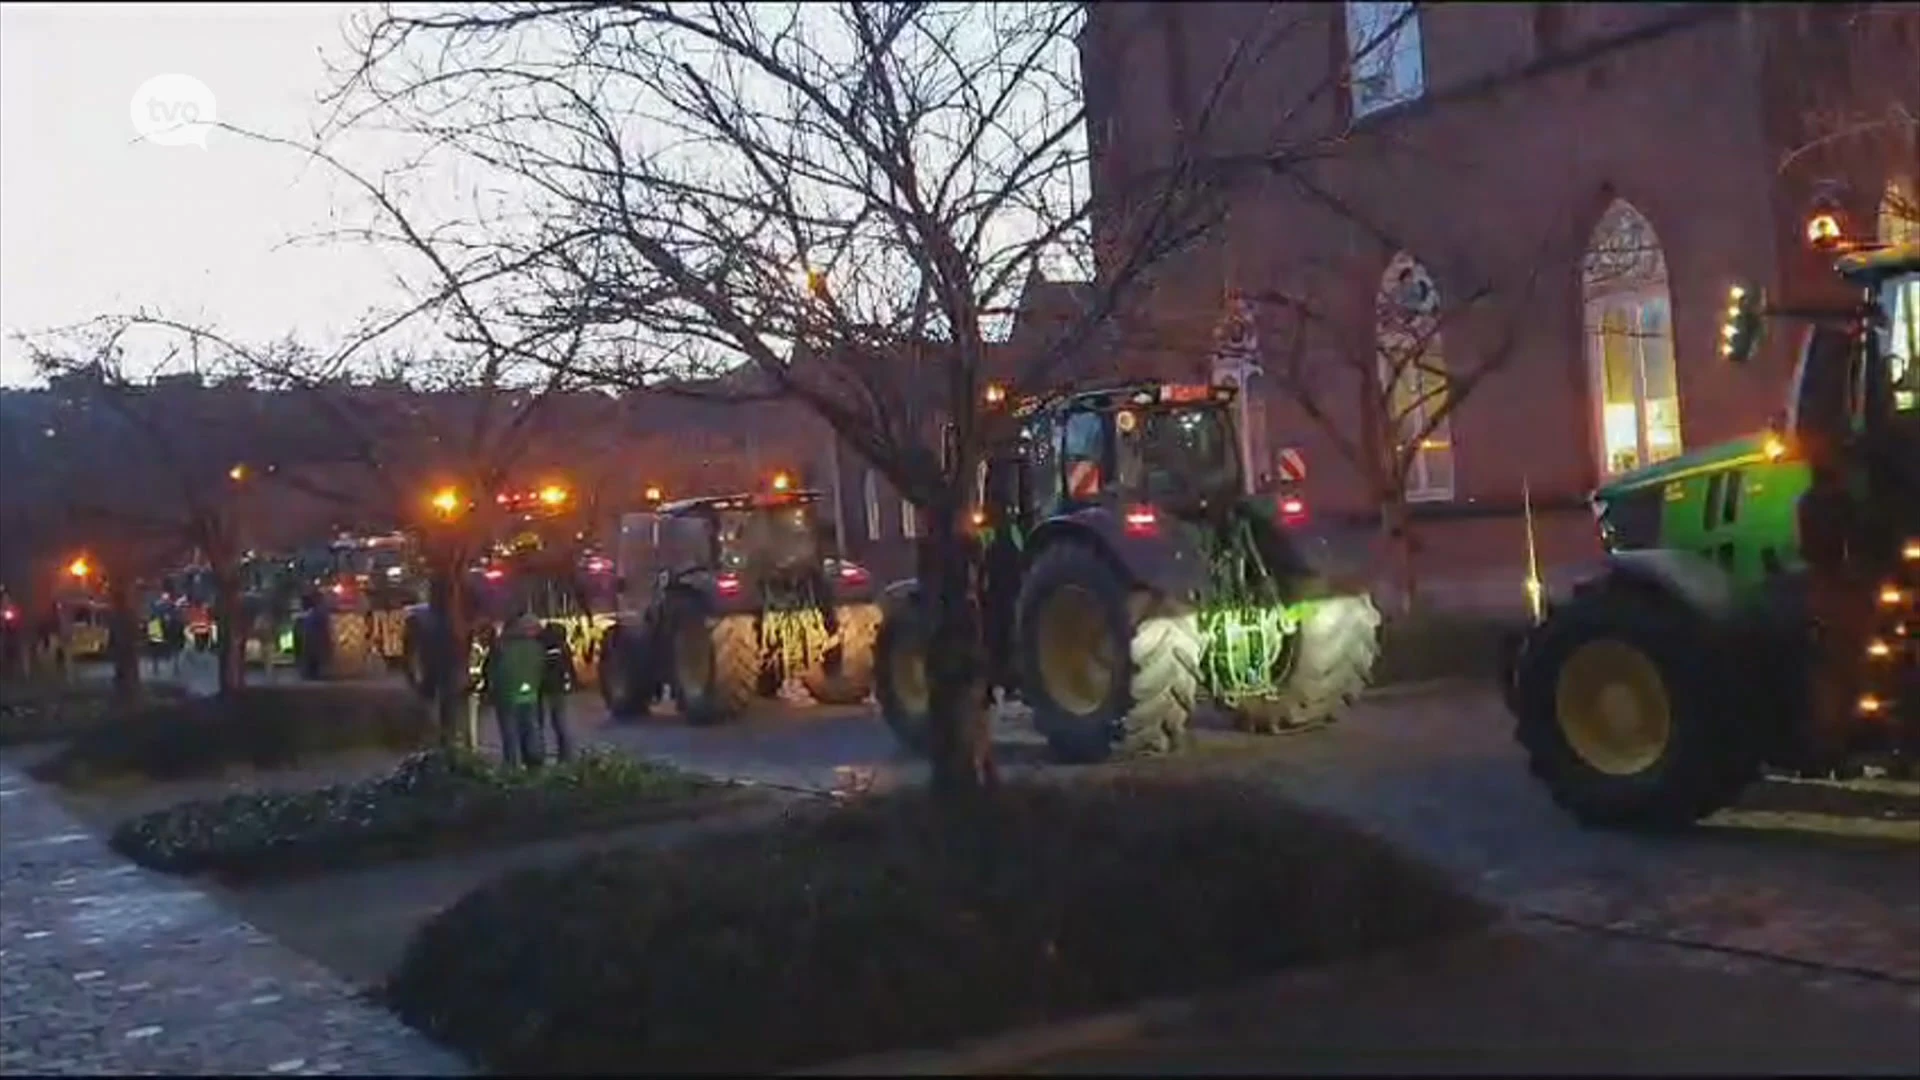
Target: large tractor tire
x=900 y=670
x=1329 y=662
x=852 y=683
x=1108 y=670
x=1626 y=709
x=713 y=663
x=625 y=676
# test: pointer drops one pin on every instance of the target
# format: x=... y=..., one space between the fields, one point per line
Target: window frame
x=872 y=493
x=1399 y=62
x=1633 y=302
x=1418 y=484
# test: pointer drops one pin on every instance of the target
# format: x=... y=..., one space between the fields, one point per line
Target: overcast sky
x=94 y=221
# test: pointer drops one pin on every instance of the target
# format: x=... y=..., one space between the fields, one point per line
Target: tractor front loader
x=1127 y=575
x=738 y=599
x=1756 y=609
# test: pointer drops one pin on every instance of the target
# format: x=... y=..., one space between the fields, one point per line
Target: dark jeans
x=553 y=708
x=520 y=742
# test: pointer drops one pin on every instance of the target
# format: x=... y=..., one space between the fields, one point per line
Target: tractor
x=542 y=563
x=362 y=591
x=1127 y=570
x=1755 y=609
x=738 y=599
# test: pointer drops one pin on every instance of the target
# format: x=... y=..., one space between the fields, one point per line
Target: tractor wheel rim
x=1076 y=650
x=908 y=668
x=1613 y=707
x=692 y=657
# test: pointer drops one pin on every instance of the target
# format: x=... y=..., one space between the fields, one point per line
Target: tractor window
x=1186 y=451
x=1083 y=454
x=766 y=532
x=1039 y=467
x=1901 y=341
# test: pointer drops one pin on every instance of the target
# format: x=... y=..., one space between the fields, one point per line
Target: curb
x=1009 y=1051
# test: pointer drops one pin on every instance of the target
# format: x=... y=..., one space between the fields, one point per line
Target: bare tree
x=1853 y=92
x=836 y=204
x=419 y=432
x=154 y=472
x=1373 y=369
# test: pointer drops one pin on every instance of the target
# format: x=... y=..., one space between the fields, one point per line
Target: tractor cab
x=1142 y=448
x=744 y=541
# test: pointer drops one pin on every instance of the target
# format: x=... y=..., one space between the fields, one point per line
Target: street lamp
x=446 y=501
x=79 y=568
x=553 y=495
x=654 y=494
x=237 y=473
x=781 y=481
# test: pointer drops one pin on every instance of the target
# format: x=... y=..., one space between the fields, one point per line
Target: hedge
x=44 y=711
x=895 y=923
x=435 y=801
x=264 y=727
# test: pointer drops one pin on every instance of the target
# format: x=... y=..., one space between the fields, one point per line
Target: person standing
x=174 y=644
x=514 y=669
x=556 y=682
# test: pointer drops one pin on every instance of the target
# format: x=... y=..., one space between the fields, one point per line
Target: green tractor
x=1756 y=607
x=1127 y=573
x=732 y=596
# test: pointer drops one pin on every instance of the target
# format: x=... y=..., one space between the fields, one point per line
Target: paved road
x=107 y=969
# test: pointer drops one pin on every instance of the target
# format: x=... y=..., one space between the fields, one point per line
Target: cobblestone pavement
x=105 y=969
x=1437 y=772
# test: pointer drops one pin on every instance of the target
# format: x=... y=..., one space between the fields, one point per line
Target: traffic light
x=1741 y=333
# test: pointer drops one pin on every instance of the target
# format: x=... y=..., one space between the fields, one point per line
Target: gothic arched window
x=1629 y=332
x=1413 y=368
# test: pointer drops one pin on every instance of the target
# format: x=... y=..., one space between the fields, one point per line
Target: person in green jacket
x=514 y=667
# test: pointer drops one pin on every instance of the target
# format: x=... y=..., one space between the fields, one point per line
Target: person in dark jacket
x=514 y=674
x=556 y=682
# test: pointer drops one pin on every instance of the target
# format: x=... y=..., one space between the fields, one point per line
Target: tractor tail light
x=1142 y=521
x=1293 y=511
x=727 y=584
x=853 y=574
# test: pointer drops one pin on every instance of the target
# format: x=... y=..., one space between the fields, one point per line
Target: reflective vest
x=157 y=630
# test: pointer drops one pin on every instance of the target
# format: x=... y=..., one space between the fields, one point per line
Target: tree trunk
x=960 y=744
x=452 y=645
x=230 y=630
x=123 y=641
x=1396 y=527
